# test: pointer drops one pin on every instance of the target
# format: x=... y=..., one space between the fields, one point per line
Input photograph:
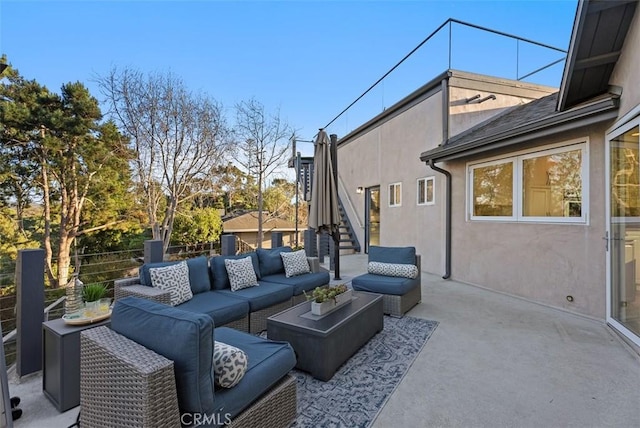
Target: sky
x=306 y=60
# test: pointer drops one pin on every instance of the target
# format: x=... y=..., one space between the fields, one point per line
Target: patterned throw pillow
x=295 y=263
x=229 y=364
x=175 y=279
x=393 y=269
x=241 y=273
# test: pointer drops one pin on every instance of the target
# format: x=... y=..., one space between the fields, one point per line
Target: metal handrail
x=11 y=336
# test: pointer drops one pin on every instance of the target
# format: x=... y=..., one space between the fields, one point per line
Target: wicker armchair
x=395 y=303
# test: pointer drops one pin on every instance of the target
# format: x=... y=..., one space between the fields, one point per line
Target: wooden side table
x=61 y=362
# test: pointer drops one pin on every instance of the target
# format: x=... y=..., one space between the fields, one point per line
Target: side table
x=61 y=362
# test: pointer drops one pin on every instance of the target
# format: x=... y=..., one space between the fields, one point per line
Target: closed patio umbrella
x=324 y=215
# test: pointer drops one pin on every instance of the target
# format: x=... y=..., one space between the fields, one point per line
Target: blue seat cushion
x=300 y=283
x=268 y=361
x=262 y=296
x=219 y=270
x=270 y=260
x=220 y=307
x=181 y=336
x=406 y=255
x=199 y=279
x=384 y=284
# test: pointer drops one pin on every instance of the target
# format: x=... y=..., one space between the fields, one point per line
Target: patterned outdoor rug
x=356 y=393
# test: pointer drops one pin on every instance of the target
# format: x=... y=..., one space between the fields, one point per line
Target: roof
x=597 y=38
x=523 y=123
x=585 y=97
x=248 y=222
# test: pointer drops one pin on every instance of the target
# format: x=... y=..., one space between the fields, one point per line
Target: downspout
x=447 y=225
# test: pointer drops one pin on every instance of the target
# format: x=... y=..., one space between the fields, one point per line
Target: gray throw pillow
x=295 y=263
x=393 y=269
x=175 y=279
x=241 y=273
x=229 y=364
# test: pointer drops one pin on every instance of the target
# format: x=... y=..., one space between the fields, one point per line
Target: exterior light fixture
x=360 y=189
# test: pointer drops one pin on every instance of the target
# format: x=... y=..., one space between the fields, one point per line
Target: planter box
x=330 y=305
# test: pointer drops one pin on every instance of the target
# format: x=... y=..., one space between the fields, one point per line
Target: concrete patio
x=493 y=361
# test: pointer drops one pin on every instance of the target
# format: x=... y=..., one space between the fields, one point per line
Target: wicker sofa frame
x=123 y=384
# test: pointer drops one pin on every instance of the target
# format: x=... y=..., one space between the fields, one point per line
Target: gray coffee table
x=323 y=344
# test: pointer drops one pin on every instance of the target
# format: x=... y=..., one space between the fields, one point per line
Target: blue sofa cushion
x=384 y=284
x=199 y=279
x=269 y=361
x=219 y=270
x=406 y=255
x=221 y=308
x=264 y=295
x=184 y=337
x=300 y=283
x=270 y=260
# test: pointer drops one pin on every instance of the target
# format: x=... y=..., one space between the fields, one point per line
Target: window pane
x=429 y=190
x=493 y=190
x=397 y=192
x=392 y=195
x=421 y=191
x=552 y=185
x=625 y=177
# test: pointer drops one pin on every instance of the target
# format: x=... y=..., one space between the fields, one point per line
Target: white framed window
x=395 y=194
x=546 y=185
x=425 y=187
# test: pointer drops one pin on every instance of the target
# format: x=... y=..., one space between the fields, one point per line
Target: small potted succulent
x=325 y=299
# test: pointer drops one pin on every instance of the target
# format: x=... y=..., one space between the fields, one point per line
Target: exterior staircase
x=348 y=238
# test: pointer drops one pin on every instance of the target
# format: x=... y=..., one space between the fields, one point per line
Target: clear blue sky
x=309 y=59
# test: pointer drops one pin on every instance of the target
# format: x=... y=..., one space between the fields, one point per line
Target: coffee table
x=323 y=343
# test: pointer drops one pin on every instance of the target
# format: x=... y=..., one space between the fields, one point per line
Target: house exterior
x=245 y=227
x=522 y=189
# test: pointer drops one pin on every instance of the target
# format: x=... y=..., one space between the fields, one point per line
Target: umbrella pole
x=336 y=233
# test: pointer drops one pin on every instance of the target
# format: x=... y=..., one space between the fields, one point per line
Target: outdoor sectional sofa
x=246 y=309
x=154 y=368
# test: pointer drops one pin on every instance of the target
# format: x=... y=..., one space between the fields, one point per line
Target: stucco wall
x=541 y=262
x=627 y=70
x=390 y=153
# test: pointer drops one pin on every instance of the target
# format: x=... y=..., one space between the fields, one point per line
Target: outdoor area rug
x=356 y=393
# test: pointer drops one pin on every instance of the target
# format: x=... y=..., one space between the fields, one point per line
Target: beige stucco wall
x=627 y=71
x=542 y=262
x=390 y=153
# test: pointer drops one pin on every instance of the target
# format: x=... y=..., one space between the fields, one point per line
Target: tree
x=81 y=163
x=197 y=226
x=261 y=147
x=234 y=189
x=177 y=138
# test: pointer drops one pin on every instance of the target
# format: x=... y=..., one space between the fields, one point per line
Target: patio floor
x=493 y=361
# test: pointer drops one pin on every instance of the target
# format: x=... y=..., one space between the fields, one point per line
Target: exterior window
x=395 y=194
x=425 y=191
x=550 y=186
x=493 y=189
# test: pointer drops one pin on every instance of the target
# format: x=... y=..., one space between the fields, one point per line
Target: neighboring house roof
x=523 y=123
x=248 y=222
x=597 y=38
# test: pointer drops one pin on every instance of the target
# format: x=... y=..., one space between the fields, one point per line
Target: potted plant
x=325 y=299
x=93 y=296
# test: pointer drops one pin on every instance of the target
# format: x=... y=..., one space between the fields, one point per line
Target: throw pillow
x=241 y=273
x=393 y=269
x=229 y=364
x=295 y=263
x=175 y=279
